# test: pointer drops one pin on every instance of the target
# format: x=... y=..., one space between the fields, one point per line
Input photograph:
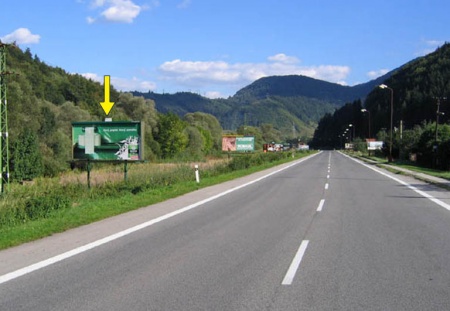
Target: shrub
x=43 y=206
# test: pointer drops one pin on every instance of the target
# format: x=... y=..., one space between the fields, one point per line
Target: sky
x=216 y=47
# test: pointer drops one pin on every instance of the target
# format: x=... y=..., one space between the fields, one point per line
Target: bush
x=43 y=206
x=45 y=196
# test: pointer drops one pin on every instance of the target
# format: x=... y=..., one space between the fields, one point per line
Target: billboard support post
x=89 y=174
x=113 y=142
x=125 y=171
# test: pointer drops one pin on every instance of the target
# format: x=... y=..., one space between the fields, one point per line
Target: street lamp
x=435 y=147
x=352 y=135
x=363 y=111
x=438 y=113
x=384 y=86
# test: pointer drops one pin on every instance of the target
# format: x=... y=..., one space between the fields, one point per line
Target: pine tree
x=26 y=158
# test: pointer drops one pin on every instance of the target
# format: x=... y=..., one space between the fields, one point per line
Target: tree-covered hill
x=416 y=88
x=292 y=104
x=43 y=101
x=186 y=102
x=419 y=90
x=301 y=86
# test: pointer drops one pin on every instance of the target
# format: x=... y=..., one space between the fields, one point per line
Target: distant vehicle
x=275 y=147
x=303 y=147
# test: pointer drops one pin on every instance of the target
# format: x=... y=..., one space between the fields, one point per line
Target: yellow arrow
x=106 y=105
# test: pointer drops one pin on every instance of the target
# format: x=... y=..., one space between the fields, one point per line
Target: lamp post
x=384 y=86
x=438 y=113
x=363 y=111
x=435 y=147
x=352 y=135
x=344 y=135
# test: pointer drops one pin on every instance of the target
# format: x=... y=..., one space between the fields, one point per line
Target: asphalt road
x=327 y=233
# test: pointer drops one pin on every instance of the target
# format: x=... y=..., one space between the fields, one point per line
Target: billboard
x=119 y=140
x=374 y=145
x=235 y=143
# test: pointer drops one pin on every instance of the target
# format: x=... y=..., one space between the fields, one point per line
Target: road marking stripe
x=422 y=193
x=290 y=275
x=326 y=186
x=45 y=263
x=319 y=208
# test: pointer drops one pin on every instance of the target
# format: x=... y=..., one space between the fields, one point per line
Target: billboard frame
x=110 y=140
x=238 y=143
x=96 y=140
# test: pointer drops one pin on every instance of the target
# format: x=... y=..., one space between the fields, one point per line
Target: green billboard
x=238 y=143
x=118 y=140
x=246 y=143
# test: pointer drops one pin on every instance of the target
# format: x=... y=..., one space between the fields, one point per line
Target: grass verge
x=109 y=200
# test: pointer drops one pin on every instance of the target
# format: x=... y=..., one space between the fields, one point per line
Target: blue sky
x=216 y=47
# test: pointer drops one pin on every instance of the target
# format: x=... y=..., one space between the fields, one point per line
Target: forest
x=293 y=104
x=43 y=101
x=418 y=93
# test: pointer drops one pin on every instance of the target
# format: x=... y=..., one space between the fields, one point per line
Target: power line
x=4 y=139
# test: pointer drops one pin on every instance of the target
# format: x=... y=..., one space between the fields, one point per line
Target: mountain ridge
x=285 y=101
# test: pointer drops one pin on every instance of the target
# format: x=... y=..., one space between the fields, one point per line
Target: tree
x=208 y=123
x=48 y=121
x=26 y=158
x=140 y=109
x=252 y=131
x=171 y=135
x=269 y=133
x=434 y=153
x=196 y=143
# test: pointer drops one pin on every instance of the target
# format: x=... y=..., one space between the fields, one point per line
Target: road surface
x=324 y=233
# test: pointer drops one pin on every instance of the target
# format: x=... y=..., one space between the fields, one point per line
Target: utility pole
x=4 y=141
x=293 y=130
x=438 y=113
x=435 y=147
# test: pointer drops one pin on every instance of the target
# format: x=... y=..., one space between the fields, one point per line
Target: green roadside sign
x=246 y=143
x=118 y=140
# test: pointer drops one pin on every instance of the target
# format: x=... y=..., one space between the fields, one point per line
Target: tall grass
x=68 y=196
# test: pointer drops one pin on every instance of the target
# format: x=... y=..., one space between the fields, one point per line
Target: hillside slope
x=416 y=89
x=284 y=101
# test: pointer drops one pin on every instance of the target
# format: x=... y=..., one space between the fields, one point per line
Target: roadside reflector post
x=197 y=177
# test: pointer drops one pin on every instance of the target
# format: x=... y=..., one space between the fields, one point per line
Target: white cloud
x=429 y=46
x=184 y=4
x=283 y=58
x=435 y=43
x=377 y=73
x=123 y=84
x=204 y=73
x=213 y=95
x=134 y=84
x=98 y=3
x=118 y=11
x=90 y=20
x=21 y=36
x=122 y=11
x=92 y=76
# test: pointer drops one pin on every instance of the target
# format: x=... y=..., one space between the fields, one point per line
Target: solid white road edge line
x=45 y=263
x=422 y=193
x=292 y=271
x=322 y=202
